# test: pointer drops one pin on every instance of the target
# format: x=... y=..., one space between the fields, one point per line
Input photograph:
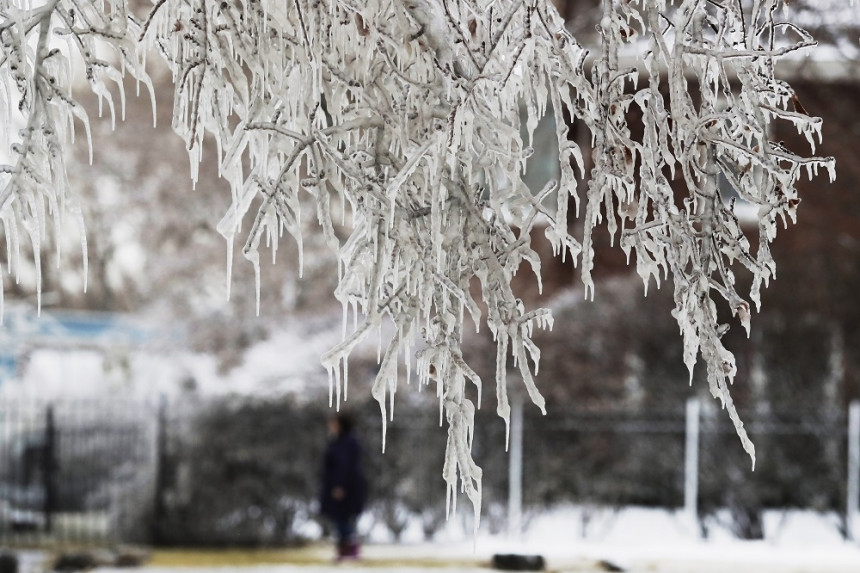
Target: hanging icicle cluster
x=42 y=46
x=401 y=120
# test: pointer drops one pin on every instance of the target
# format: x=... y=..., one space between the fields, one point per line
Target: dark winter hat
x=345 y=422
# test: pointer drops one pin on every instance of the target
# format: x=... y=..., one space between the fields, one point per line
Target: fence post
x=853 y=495
x=691 y=461
x=515 y=468
x=160 y=509
x=49 y=469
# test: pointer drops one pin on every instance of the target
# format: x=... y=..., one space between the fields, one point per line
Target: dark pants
x=345 y=530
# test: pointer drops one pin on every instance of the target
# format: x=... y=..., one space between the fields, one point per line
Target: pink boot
x=349 y=550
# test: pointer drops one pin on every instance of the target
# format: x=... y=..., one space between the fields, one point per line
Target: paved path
x=338 y=568
x=714 y=557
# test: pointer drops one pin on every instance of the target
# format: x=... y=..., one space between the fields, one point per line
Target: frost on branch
x=728 y=54
x=43 y=45
x=401 y=121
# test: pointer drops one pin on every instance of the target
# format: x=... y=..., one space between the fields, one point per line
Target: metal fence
x=76 y=471
x=237 y=471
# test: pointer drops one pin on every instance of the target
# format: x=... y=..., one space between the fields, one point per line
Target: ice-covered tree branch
x=410 y=122
x=42 y=44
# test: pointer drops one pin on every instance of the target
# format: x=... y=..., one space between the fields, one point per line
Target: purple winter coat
x=342 y=468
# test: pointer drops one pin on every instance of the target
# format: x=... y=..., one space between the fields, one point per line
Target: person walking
x=344 y=488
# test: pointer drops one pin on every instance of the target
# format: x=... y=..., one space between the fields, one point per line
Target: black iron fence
x=76 y=471
x=241 y=471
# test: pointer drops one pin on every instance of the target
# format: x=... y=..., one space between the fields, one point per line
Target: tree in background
x=402 y=120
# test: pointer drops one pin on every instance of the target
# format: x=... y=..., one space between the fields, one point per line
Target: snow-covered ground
x=654 y=540
x=634 y=539
x=638 y=539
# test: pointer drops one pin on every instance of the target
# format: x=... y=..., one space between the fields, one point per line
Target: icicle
x=441 y=403
x=345 y=378
x=330 y=372
x=392 y=390
x=229 y=266
x=337 y=382
x=407 y=358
